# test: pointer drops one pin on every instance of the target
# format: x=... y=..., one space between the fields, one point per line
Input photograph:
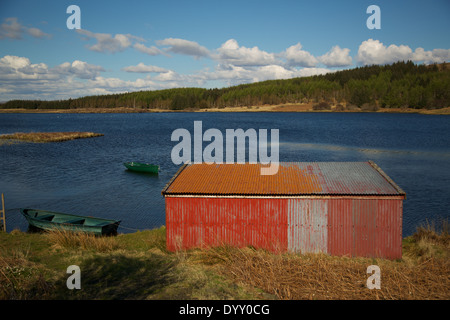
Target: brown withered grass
x=422 y=274
x=20 y=278
x=40 y=137
x=322 y=277
x=62 y=239
x=30 y=266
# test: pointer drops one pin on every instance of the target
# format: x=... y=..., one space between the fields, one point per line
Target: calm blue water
x=87 y=176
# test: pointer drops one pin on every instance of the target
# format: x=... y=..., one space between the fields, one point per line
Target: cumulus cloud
x=22 y=79
x=434 y=56
x=142 y=68
x=182 y=46
x=80 y=69
x=374 y=52
x=295 y=56
x=336 y=57
x=231 y=53
x=12 y=29
x=107 y=43
x=171 y=76
x=13 y=68
x=233 y=75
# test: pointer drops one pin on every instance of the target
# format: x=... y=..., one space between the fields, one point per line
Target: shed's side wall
x=307 y=225
x=365 y=227
x=368 y=227
x=203 y=222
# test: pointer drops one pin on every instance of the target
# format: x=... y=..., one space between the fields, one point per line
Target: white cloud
x=336 y=57
x=107 y=43
x=295 y=56
x=13 y=68
x=21 y=79
x=231 y=53
x=233 y=75
x=434 y=56
x=14 y=62
x=182 y=46
x=169 y=76
x=80 y=69
x=374 y=52
x=142 y=68
x=152 y=51
x=37 y=33
x=12 y=29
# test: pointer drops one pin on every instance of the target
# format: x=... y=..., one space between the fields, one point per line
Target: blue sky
x=149 y=45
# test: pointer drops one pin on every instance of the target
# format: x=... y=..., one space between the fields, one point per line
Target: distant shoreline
x=41 y=137
x=263 y=108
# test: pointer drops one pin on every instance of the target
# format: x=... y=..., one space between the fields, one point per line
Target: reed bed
x=422 y=274
x=63 y=239
x=40 y=137
x=318 y=276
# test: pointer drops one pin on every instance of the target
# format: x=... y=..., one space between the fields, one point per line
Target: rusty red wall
x=353 y=226
x=202 y=222
x=365 y=227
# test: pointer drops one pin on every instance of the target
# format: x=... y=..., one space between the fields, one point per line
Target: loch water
x=87 y=176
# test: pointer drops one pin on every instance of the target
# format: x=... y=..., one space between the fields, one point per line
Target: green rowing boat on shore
x=49 y=220
x=141 y=167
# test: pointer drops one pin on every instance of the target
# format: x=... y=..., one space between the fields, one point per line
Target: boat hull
x=49 y=220
x=141 y=167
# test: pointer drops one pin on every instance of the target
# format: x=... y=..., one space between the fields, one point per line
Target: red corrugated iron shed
x=340 y=208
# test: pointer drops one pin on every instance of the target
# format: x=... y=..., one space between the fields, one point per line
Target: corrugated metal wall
x=307 y=225
x=202 y=222
x=359 y=226
x=365 y=227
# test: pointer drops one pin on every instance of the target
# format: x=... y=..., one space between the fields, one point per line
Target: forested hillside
x=400 y=85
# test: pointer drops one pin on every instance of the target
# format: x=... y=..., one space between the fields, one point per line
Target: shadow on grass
x=119 y=277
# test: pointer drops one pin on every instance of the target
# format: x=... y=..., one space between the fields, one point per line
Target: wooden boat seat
x=75 y=221
x=101 y=224
x=47 y=217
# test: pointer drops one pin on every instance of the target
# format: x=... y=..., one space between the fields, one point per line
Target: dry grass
x=20 y=278
x=294 y=107
x=30 y=267
x=431 y=242
x=319 y=276
x=39 y=137
x=422 y=274
x=62 y=239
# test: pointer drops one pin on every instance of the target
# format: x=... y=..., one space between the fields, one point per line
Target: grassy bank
x=138 y=266
x=40 y=137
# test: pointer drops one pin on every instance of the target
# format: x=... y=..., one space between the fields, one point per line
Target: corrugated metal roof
x=292 y=178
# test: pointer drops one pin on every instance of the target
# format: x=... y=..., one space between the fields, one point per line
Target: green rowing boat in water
x=48 y=220
x=141 y=167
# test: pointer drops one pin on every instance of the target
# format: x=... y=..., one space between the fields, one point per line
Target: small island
x=41 y=137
